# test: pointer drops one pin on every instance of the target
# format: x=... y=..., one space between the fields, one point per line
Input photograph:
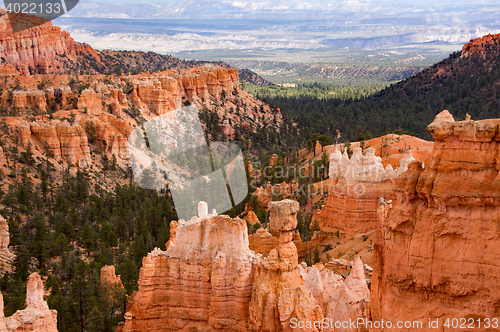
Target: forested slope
x=460 y=84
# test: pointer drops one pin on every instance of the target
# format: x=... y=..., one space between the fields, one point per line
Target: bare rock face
x=164 y=91
x=262 y=242
x=203 y=282
x=437 y=250
x=279 y=292
x=31 y=99
x=2 y=156
x=356 y=185
x=37 y=317
x=69 y=142
x=35 y=49
x=90 y=101
x=8 y=70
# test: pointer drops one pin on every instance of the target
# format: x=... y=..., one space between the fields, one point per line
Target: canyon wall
x=436 y=256
x=41 y=49
x=356 y=184
x=166 y=91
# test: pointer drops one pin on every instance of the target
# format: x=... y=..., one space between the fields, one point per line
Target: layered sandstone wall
x=356 y=184
x=60 y=140
x=436 y=256
x=165 y=91
x=37 y=48
x=70 y=142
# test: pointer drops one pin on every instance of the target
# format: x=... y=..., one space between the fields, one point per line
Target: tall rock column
x=279 y=295
x=37 y=317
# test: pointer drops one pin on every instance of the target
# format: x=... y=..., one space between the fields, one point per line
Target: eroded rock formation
x=437 y=249
x=203 y=282
x=262 y=242
x=208 y=280
x=279 y=291
x=90 y=102
x=59 y=139
x=478 y=45
x=37 y=317
x=356 y=184
x=31 y=99
x=164 y=91
x=265 y=195
x=109 y=279
x=350 y=300
x=35 y=50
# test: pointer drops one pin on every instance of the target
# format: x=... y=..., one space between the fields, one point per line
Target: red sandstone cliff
x=42 y=49
x=437 y=248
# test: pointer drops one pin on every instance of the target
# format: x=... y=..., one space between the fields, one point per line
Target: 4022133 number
x=34 y=8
